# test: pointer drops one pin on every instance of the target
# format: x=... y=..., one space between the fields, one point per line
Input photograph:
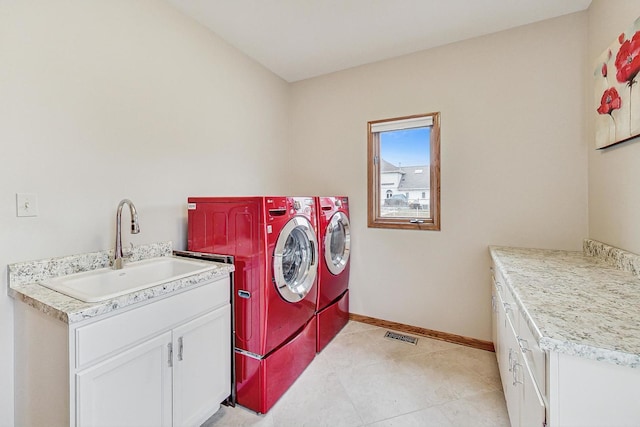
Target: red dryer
x=275 y=249
x=334 y=236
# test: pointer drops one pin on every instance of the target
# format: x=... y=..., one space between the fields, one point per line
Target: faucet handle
x=128 y=253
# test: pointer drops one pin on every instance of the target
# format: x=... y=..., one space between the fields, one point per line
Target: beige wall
x=614 y=173
x=514 y=164
x=105 y=100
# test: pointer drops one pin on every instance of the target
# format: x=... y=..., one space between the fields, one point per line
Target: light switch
x=26 y=204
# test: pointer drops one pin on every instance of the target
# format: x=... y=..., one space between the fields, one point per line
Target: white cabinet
x=555 y=389
x=514 y=353
x=132 y=388
x=524 y=401
x=573 y=384
x=198 y=374
x=166 y=362
x=592 y=393
x=512 y=393
x=495 y=313
x=532 y=407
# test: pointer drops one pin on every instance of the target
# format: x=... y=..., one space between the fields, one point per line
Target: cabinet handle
x=516 y=381
x=507 y=309
x=510 y=360
x=524 y=345
x=170 y=348
x=180 y=346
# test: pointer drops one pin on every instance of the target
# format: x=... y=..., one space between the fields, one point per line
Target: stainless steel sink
x=106 y=283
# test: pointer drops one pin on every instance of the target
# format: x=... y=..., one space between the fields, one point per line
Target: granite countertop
x=585 y=304
x=24 y=281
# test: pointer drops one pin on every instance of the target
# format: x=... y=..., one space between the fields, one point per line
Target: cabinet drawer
x=105 y=337
x=531 y=351
x=532 y=409
x=507 y=305
x=501 y=286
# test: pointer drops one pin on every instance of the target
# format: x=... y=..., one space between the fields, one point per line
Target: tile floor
x=364 y=379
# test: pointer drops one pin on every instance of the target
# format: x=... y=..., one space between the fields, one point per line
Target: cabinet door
x=202 y=367
x=532 y=409
x=512 y=379
x=504 y=352
x=494 y=316
x=130 y=389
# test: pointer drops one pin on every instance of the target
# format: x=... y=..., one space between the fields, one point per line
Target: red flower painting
x=617 y=101
x=628 y=60
x=610 y=101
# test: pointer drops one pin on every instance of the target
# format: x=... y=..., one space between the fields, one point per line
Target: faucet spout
x=135 y=229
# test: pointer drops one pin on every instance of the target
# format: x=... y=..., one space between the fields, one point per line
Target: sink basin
x=106 y=283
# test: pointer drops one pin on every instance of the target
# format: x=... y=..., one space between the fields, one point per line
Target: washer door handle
x=313 y=251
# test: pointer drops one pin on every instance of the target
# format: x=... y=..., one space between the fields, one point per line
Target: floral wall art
x=617 y=93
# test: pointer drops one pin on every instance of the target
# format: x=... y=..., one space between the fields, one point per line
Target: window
x=404 y=172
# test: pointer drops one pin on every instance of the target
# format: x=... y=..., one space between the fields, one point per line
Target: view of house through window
x=404 y=172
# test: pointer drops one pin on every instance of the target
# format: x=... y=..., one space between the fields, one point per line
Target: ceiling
x=299 y=39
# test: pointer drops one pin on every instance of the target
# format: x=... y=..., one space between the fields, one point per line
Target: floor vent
x=401 y=337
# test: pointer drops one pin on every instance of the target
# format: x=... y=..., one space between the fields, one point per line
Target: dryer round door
x=295 y=259
x=337 y=243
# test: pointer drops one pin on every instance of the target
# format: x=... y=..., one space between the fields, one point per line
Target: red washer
x=274 y=244
x=334 y=236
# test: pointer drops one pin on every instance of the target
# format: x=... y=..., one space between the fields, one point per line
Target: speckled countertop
x=585 y=304
x=24 y=279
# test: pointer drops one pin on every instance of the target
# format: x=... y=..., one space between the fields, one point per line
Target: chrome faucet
x=135 y=229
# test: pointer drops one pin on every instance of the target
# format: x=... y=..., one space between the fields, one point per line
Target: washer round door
x=337 y=243
x=295 y=259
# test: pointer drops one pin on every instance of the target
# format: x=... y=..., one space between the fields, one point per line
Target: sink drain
x=401 y=337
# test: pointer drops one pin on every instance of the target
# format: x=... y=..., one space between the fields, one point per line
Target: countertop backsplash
x=619 y=258
x=21 y=273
